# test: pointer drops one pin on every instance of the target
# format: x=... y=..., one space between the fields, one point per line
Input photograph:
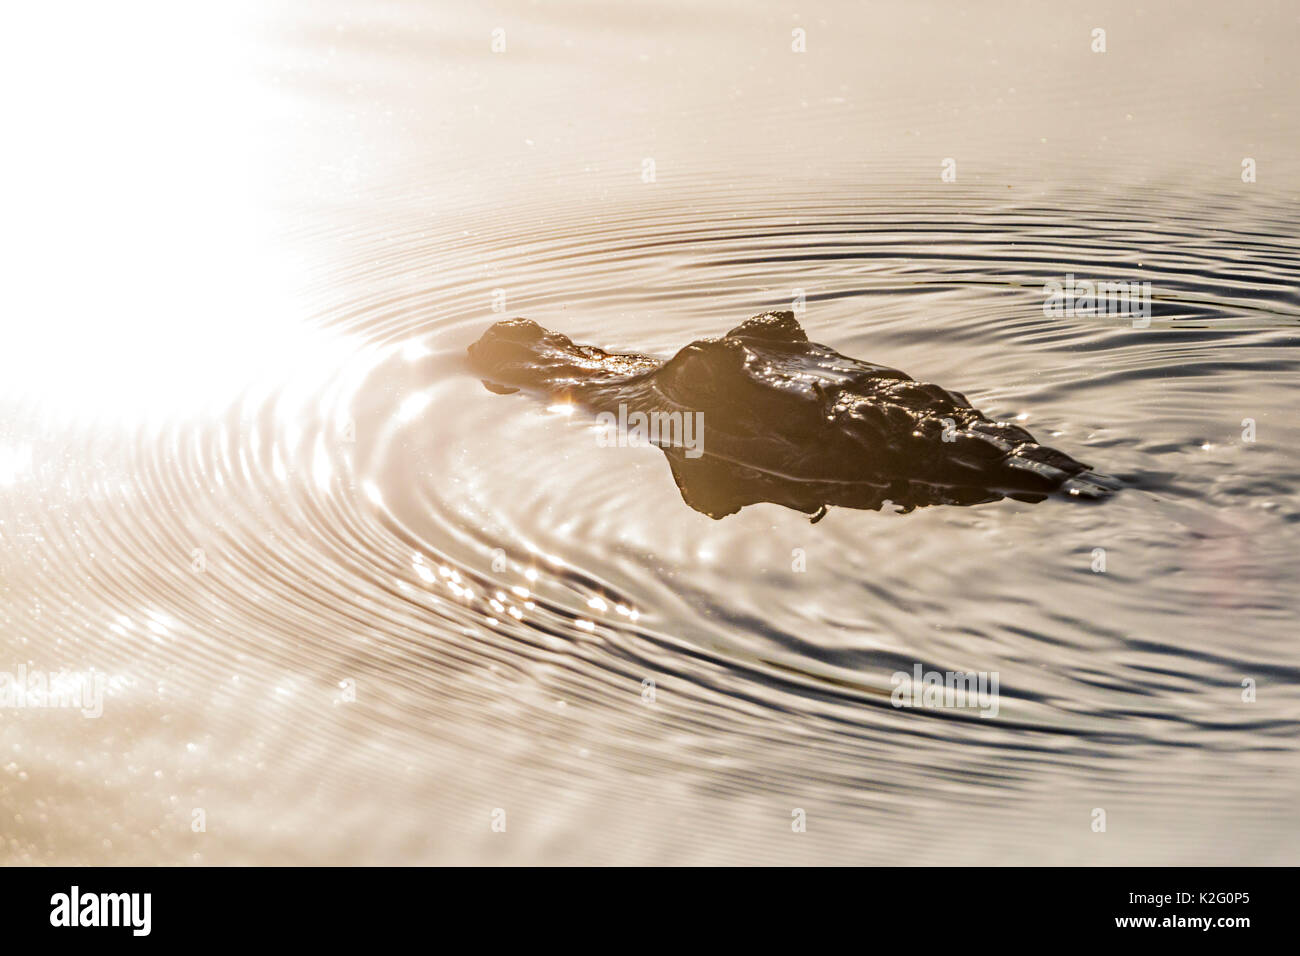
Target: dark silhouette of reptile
x=792 y=422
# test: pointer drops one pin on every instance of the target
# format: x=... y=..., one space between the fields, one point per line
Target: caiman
x=792 y=422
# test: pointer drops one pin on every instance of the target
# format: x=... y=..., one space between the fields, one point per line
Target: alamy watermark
x=975 y=690
x=638 y=429
x=75 y=908
x=37 y=689
x=1088 y=298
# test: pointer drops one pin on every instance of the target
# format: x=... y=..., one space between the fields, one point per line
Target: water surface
x=246 y=473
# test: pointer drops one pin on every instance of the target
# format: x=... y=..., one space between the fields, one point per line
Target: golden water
x=245 y=474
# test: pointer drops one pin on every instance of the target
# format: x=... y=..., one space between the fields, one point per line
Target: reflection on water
x=350 y=604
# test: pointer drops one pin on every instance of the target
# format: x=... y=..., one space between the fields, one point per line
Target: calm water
x=246 y=475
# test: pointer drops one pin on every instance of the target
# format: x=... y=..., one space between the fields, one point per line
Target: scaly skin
x=793 y=422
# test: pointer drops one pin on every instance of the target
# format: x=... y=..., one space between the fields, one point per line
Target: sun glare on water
x=144 y=277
